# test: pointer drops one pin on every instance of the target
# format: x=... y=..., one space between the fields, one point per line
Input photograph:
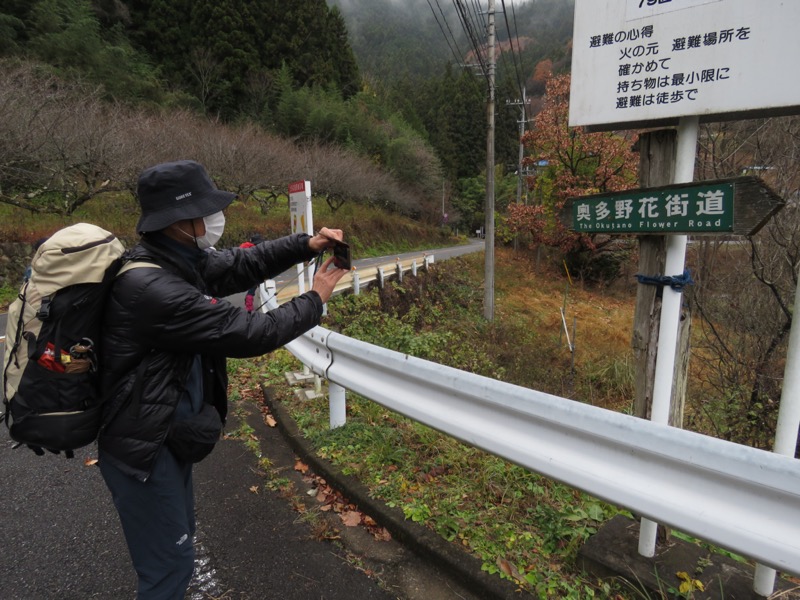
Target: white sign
x=646 y=63
x=300 y=207
x=302 y=220
x=638 y=9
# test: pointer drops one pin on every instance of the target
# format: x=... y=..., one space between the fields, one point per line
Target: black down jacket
x=158 y=319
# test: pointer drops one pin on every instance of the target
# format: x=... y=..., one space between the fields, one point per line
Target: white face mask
x=215 y=225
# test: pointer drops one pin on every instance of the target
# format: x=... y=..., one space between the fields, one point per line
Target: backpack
x=50 y=372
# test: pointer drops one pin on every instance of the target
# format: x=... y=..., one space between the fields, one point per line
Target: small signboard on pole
x=300 y=207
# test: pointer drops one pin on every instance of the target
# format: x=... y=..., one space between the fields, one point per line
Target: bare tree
x=746 y=287
x=60 y=144
x=207 y=72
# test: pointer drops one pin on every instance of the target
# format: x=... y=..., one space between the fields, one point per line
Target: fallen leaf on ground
x=270 y=420
x=90 y=462
x=509 y=569
x=350 y=518
x=254 y=489
x=301 y=466
x=369 y=521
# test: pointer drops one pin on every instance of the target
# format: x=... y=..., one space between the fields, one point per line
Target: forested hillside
x=386 y=82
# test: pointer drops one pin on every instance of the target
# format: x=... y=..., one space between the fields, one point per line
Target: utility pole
x=523 y=119
x=488 y=296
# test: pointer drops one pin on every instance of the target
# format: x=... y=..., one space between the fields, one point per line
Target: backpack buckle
x=44 y=310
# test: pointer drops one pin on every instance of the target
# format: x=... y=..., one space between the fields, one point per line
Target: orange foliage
x=543 y=70
x=568 y=162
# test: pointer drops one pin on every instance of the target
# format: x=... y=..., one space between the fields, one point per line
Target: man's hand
x=325 y=238
x=326 y=279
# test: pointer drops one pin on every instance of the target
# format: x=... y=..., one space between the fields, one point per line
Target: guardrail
x=740 y=498
x=358 y=277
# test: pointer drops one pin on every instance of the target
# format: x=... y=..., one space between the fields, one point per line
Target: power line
x=481 y=24
x=460 y=56
x=517 y=71
x=467 y=24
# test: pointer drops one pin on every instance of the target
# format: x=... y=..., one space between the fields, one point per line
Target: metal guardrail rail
x=365 y=276
x=740 y=498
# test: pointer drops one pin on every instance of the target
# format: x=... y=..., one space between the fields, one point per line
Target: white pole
x=789 y=412
x=670 y=310
x=786 y=432
x=356 y=282
x=338 y=405
x=301 y=282
x=309 y=214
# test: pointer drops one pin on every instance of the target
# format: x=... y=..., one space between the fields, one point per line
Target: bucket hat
x=175 y=191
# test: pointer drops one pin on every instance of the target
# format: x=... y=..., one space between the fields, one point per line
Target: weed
x=8 y=293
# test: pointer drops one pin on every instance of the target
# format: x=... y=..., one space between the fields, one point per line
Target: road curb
x=464 y=567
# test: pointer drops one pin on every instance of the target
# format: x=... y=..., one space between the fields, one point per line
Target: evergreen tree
x=310 y=40
x=343 y=61
x=454 y=114
x=12 y=32
x=219 y=40
x=65 y=33
x=161 y=28
x=14 y=15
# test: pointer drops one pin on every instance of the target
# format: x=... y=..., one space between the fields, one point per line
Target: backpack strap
x=137 y=264
x=22 y=295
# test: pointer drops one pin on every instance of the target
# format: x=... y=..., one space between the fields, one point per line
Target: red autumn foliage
x=568 y=162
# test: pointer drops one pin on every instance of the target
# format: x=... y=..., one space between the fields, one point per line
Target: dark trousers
x=157 y=517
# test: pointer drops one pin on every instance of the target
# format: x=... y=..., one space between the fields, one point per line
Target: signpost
x=302 y=222
x=651 y=63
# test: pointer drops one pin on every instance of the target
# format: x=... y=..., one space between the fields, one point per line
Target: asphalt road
x=474 y=245
x=61 y=539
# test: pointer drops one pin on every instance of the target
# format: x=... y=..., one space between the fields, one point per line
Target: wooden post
x=656 y=168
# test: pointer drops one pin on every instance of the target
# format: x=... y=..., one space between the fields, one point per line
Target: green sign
x=682 y=209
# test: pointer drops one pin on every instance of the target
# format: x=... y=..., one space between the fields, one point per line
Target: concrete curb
x=416 y=537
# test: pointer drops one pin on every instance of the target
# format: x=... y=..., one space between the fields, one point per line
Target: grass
x=8 y=294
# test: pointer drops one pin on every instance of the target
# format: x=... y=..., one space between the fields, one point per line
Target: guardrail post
x=338 y=405
x=317 y=385
x=414 y=267
x=399 y=269
x=356 y=282
x=380 y=277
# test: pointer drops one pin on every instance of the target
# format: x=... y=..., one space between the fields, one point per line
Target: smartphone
x=341 y=256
